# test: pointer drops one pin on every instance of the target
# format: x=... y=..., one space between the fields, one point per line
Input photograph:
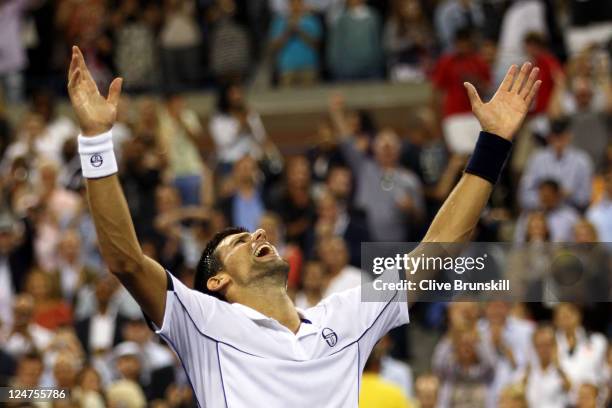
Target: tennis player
x=239 y=337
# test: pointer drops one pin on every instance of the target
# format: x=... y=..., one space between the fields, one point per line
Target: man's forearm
x=116 y=235
x=460 y=212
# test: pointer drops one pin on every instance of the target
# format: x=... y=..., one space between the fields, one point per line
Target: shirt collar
x=257 y=316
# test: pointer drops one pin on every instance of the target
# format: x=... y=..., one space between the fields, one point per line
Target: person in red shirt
x=537 y=51
x=461 y=65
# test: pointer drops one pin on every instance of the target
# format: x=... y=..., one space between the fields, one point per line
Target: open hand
x=505 y=112
x=95 y=113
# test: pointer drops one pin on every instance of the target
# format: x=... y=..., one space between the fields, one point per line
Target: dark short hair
x=535 y=38
x=550 y=183
x=210 y=264
x=559 y=126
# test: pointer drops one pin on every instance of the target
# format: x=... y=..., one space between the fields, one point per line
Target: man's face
x=549 y=197
x=386 y=148
x=340 y=181
x=497 y=312
x=246 y=258
x=544 y=344
x=560 y=141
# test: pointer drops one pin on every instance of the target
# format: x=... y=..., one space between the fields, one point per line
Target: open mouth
x=263 y=251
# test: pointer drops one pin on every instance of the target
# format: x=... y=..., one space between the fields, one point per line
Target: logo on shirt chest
x=330 y=336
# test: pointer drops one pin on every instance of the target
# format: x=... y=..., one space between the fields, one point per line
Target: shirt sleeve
x=189 y=311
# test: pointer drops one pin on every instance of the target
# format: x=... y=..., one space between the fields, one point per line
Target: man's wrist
x=97 y=155
x=489 y=156
x=95 y=130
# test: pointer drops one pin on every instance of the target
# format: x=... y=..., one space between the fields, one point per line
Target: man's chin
x=274 y=266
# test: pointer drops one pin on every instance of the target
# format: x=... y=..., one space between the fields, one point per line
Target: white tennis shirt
x=236 y=357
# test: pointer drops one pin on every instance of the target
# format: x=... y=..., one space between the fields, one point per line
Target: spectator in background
x=180 y=41
x=29 y=372
x=560 y=217
x=600 y=213
x=334 y=219
x=465 y=364
x=538 y=53
x=393 y=369
x=354 y=49
x=377 y=392
x=58 y=128
x=181 y=136
x=511 y=339
x=408 y=41
x=581 y=354
x=29 y=144
x=340 y=183
x=236 y=129
x=427 y=388
x=88 y=392
x=16 y=258
x=50 y=311
x=314 y=282
x=272 y=224
x=295 y=42
x=14 y=59
x=333 y=253
x=570 y=167
x=100 y=329
x=546 y=381
x=390 y=195
x=293 y=200
x=72 y=272
x=521 y=17
x=325 y=154
x=587 y=103
x=229 y=45
x=125 y=393
x=245 y=206
x=134 y=27
x=25 y=336
x=462 y=64
x=453 y=16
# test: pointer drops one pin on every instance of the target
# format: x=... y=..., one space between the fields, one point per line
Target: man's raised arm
x=144 y=278
x=500 y=119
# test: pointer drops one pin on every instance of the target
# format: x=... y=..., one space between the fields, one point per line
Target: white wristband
x=97 y=155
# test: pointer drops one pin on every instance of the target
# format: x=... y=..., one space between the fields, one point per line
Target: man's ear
x=218 y=283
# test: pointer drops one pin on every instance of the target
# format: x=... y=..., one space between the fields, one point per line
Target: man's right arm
x=144 y=278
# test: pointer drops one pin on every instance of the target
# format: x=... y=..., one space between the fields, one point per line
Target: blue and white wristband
x=97 y=155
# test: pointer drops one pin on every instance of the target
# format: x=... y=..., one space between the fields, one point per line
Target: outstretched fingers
x=532 y=92
x=85 y=74
x=533 y=76
x=506 y=84
x=523 y=74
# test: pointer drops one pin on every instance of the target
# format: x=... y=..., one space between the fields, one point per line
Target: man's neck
x=273 y=302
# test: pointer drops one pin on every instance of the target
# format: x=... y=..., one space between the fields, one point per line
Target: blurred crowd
x=66 y=322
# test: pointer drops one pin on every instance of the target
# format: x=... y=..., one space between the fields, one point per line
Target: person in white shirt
x=511 y=338
x=236 y=129
x=582 y=355
x=546 y=383
x=25 y=336
x=238 y=334
x=341 y=276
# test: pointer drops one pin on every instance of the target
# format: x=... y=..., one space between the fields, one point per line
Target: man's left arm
x=500 y=119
